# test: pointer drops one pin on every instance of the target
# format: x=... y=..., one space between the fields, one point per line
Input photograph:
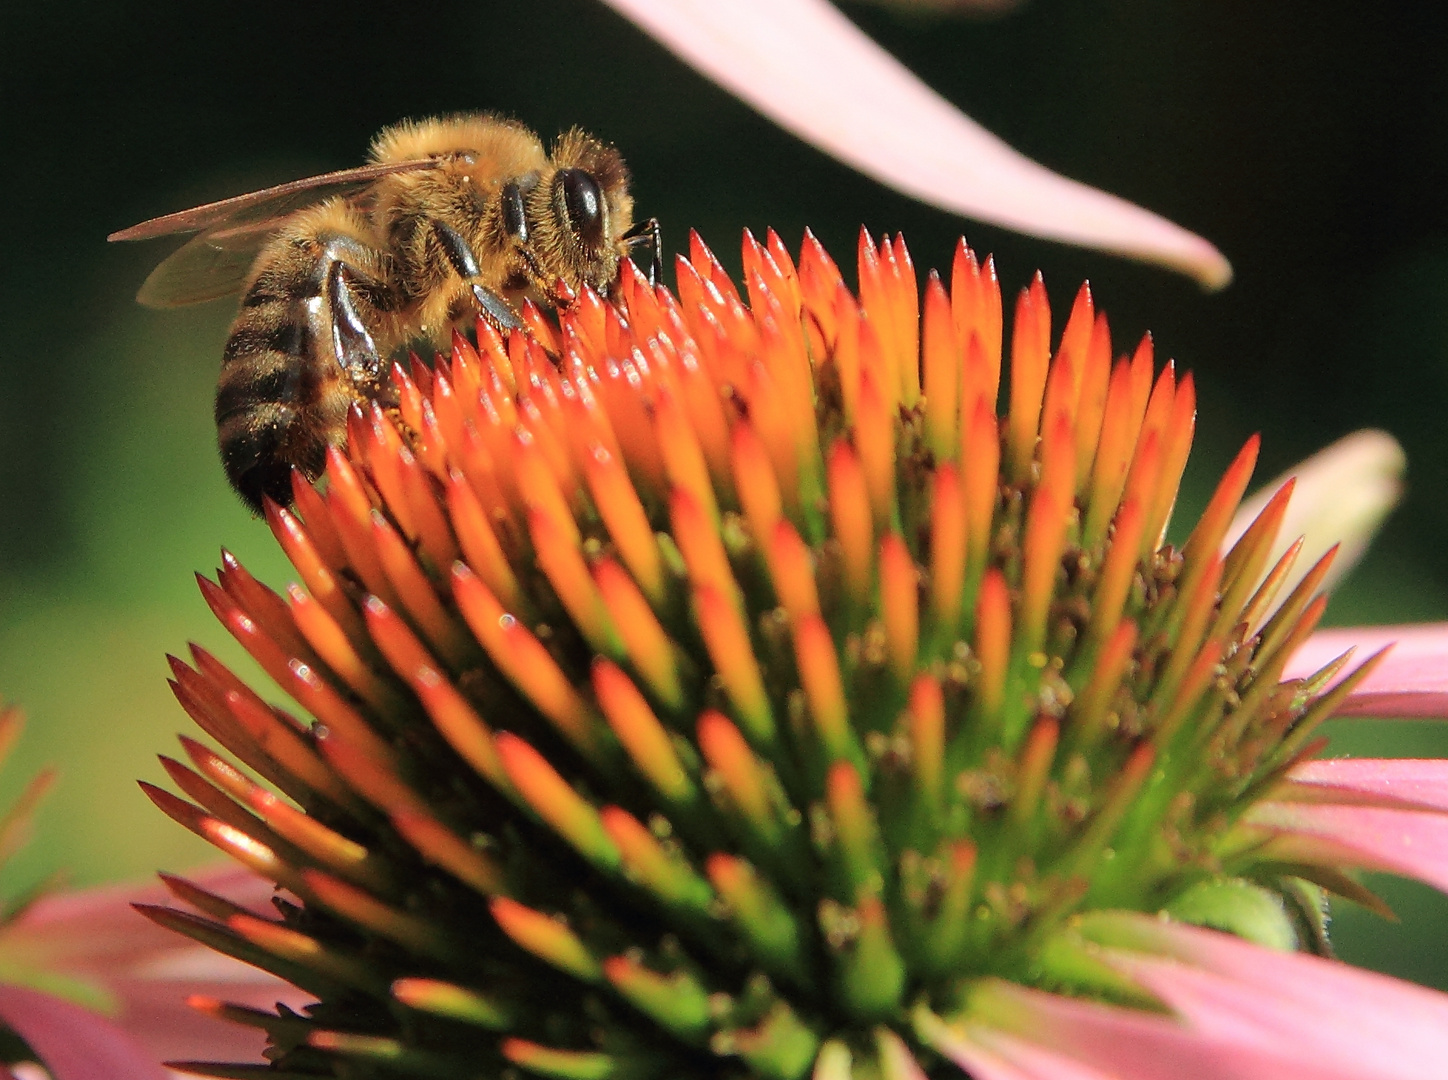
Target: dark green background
x=1309 y=141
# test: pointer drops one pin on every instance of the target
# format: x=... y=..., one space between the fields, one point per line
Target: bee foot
x=496 y=310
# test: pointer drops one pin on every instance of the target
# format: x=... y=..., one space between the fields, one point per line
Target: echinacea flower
x=39 y=1021
x=719 y=685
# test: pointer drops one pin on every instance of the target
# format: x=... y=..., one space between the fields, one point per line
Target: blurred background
x=1309 y=142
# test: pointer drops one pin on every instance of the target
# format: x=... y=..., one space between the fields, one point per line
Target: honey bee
x=454 y=218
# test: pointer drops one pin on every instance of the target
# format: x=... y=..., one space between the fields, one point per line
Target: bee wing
x=208 y=266
x=234 y=230
x=268 y=203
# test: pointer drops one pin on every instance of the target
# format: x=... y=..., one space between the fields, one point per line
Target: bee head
x=589 y=208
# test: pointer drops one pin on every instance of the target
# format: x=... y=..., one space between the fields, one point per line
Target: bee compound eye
x=583 y=202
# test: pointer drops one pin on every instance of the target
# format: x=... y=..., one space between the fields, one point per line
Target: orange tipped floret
x=742 y=777
x=775 y=428
x=646 y=643
x=1047 y=520
x=727 y=641
x=819 y=675
x=641 y=734
x=792 y=572
x=900 y=605
x=941 y=360
x=523 y=660
x=755 y=481
x=1118 y=572
x=683 y=458
x=1030 y=355
x=651 y=864
x=701 y=545
x=947 y=549
x=1091 y=402
x=562 y=563
x=553 y=800
x=877 y=300
x=850 y=518
x=547 y=938
x=875 y=441
x=975 y=302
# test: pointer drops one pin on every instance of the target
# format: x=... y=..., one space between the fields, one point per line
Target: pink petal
x=994 y=1055
x=1404 y=783
x=94 y=935
x=75 y=1044
x=1047 y=1037
x=1411 y=681
x=988 y=1054
x=897 y=1060
x=808 y=68
x=1413 y=843
x=1335 y=1019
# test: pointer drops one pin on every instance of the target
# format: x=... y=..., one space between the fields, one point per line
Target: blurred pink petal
x=73 y=1043
x=1334 y=1019
x=1405 y=783
x=804 y=65
x=994 y=1055
x=1343 y=493
x=1033 y=1035
x=1411 y=681
x=1413 y=843
x=898 y=1062
x=94 y=936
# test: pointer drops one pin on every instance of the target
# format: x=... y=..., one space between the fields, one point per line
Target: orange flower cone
x=716 y=684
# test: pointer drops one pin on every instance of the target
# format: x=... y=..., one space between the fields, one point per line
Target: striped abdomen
x=283 y=394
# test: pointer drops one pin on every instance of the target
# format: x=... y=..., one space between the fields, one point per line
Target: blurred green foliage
x=1307 y=141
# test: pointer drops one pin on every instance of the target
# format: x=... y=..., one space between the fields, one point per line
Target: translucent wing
x=208 y=266
x=268 y=203
x=233 y=230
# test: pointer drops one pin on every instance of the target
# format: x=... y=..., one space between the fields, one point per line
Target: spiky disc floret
x=699 y=694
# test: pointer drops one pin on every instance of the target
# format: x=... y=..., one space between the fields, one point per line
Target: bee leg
x=352 y=342
x=648 y=232
x=496 y=310
x=493 y=307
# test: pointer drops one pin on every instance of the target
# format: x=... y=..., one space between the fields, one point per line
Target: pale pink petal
x=1034 y=1035
x=95 y=936
x=1405 y=783
x=1413 y=843
x=1336 y=1019
x=895 y=1057
x=93 y=931
x=75 y=1044
x=1411 y=681
x=1343 y=492
x=804 y=65
x=988 y=1054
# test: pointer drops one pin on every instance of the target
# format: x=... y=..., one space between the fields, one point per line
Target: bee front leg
x=493 y=307
x=648 y=232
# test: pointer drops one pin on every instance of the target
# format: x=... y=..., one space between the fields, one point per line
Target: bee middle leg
x=352 y=343
x=493 y=307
